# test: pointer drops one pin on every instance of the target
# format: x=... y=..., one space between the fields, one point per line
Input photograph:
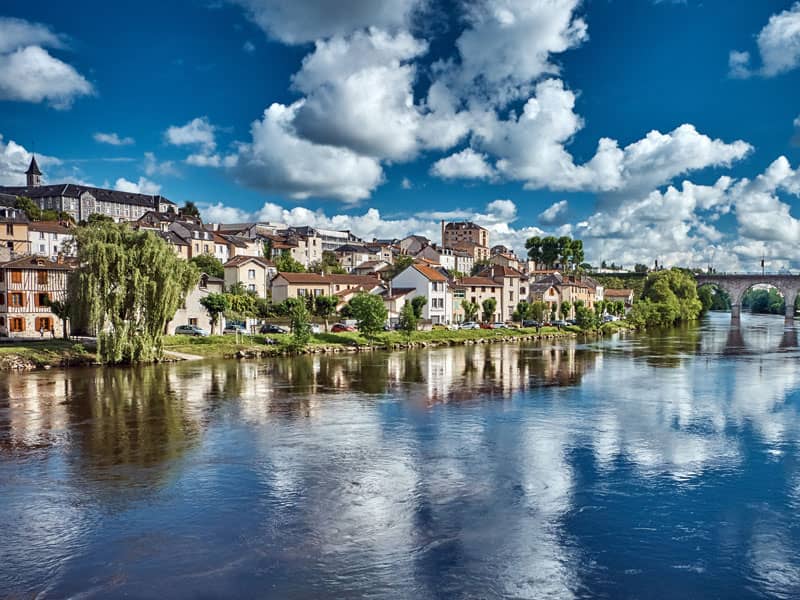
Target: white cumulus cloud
x=143 y=186
x=112 y=139
x=554 y=214
x=466 y=164
x=278 y=160
x=778 y=45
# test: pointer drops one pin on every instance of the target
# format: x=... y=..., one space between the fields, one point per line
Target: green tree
x=586 y=318
x=286 y=264
x=29 y=207
x=325 y=307
x=408 y=320
x=328 y=264
x=370 y=313
x=129 y=285
x=706 y=297
x=418 y=303
x=478 y=266
x=640 y=268
x=208 y=264
x=668 y=297
x=98 y=218
x=299 y=321
x=523 y=311
x=470 y=310
x=565 y=308
x=489 y=305
x=61 y=309
x=538 y=310
x=190 y=210
x=401 y=263
x=534 y=247
x=215 y=305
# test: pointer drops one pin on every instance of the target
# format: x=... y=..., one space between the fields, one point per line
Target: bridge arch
x=737 y=284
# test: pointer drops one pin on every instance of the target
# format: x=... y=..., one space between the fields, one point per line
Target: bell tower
x=34 y=174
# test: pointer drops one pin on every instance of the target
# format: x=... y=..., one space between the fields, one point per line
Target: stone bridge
x=737 y=284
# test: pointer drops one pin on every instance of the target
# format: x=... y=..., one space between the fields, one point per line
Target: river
x=642 y=466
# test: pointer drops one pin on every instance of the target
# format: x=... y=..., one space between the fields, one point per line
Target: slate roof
x=71 y=190
x=49 y=227
x=37 y=262
x=33 y=168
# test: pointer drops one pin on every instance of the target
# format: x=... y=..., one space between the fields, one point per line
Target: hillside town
x=460 y=269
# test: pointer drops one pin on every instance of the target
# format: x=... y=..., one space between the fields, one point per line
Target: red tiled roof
x=38 y=262
x=49 y=227
x=482 y=281
x=363 y=280
x=430 y=273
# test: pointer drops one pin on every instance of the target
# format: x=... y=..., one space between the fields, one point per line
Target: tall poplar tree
x=128 y=286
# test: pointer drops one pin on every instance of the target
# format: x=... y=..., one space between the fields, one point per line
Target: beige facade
x=476 y=290
x=13 y=232
x=27 y=285
x=253 y=272
x=192 y=312
x=300 y=285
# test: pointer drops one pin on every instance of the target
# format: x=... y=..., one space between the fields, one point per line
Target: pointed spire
x=33 y=169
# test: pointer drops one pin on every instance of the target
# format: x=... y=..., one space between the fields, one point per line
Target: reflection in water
x=562 y=470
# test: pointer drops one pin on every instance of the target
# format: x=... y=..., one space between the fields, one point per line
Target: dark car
x=341 y=327
x=530 y=323
x=272 y=328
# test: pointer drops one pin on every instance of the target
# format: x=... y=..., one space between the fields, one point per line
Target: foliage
x=537 y=310
x=470 y=310
x=764 y=301
x=61 y=309
x=408 y=320
x=586 y=318
x=418 y=303
x=98 y=219
x=286 y=264
x=401 y=263
x=325 y=307
x=551 y=250
x=299 y=321
x=190 y=210
x=208 y=264
x=522 y=312
x=241 y=303
x=668 y=297
x=29 y=207
x=215 y=305
x=640 y=268
x=488 y=306
x=370 y=313
x=478 y=266
x=565 y=308
x=129 y=285
x=328 y=264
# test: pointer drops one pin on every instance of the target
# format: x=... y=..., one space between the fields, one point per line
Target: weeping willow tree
x=128 y=286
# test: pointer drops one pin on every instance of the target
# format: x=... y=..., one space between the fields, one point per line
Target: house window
x=2 y=275
x=41 y=248
x=251 y=287
x=301 y=292
x=16 y=324
x=193 y=322
x=41 y=235
x=15 y=299
x=251 y=274
x=42 y=299
x=205 y=248
x=2 y=299
x=10 y=228
x=41 y=277
x=43 y=324
x=16 y=276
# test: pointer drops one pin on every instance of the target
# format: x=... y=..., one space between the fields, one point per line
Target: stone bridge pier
x=737 y=284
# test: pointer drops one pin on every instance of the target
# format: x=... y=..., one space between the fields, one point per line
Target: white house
x=49 y=238
x=431 y=284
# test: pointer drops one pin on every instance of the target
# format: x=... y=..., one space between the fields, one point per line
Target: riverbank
x=35 y=354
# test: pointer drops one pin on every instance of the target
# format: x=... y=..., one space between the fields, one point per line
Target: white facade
x=439 y=308
x=50 y=243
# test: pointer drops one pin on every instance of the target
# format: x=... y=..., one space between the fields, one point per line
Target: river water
x=658 y=466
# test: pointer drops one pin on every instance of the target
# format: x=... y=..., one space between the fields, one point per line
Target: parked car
x=486 y=326
x=234 y=329
x=560 y=323
x=315 y=328
x=530 y=323
x=272 y=328
x=499 y=325
x=190 y=330
x=341 y=327
x=470 y=325
x=610 y=318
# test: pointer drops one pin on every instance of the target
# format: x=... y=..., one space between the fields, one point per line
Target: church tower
x=34 y=174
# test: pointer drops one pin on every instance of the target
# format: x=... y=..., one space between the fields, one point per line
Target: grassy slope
x=45 y=352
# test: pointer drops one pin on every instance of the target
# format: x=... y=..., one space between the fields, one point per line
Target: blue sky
x=384 y=117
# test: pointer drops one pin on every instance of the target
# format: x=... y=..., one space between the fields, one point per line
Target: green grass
x=225 y=345
x=50 y=352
